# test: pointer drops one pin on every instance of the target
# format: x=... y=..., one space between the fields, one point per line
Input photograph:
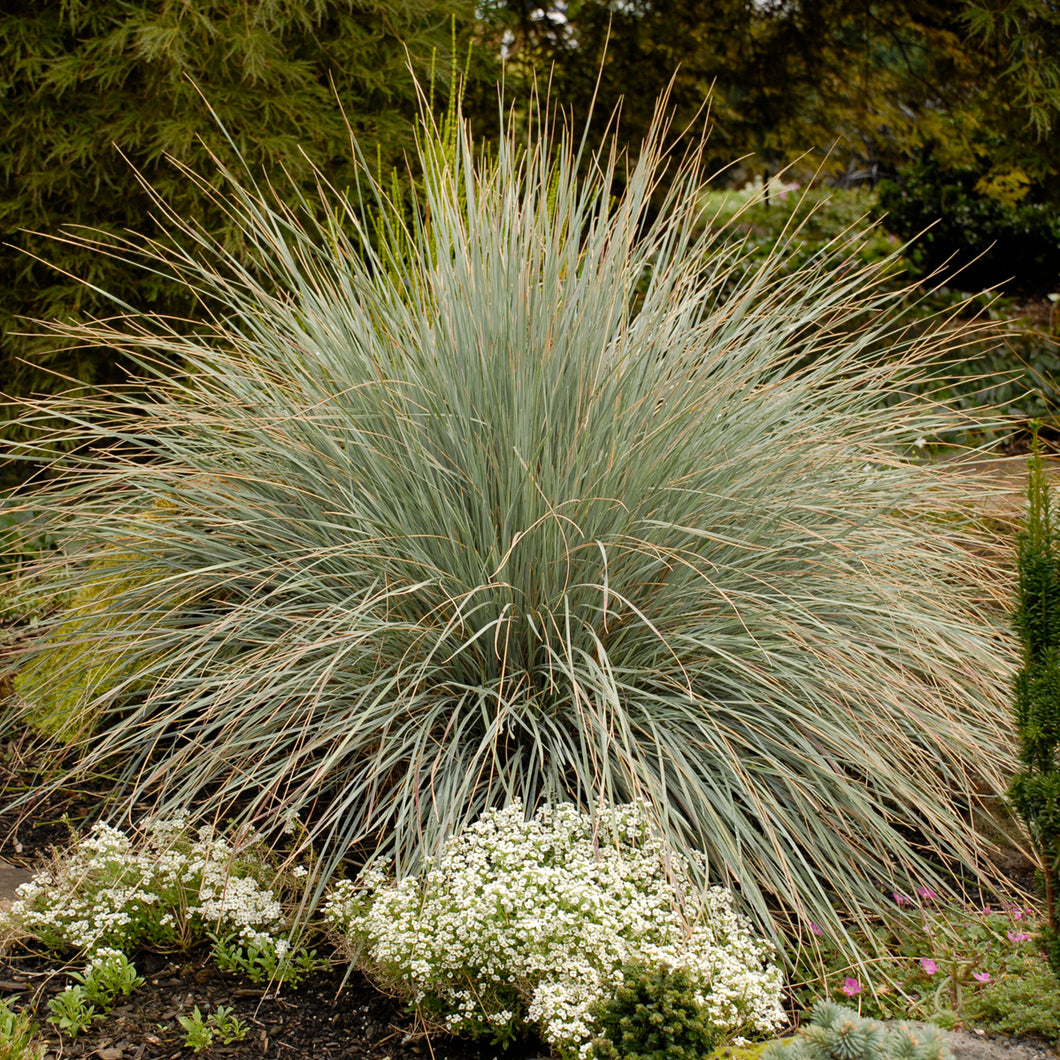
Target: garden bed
x=334 y=1014
x=683 y=565
x=326 y=1018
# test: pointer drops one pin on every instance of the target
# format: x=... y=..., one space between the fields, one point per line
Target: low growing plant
x=18 y=1034
x=838 y=1033
x=201 y=1034
x=166 y=888
x=654 y=1015
x=108 y=976
x=263 y=960
x=1025 y=1002
x=71 y=1012
x=931 y=958
x=528 y=923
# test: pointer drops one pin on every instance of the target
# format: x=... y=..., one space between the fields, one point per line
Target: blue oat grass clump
x=526 y=492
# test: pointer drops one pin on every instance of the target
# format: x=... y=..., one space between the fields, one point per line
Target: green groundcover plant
x=18 y=1034
x=531 y=922
x=936 y=958
x=515 y=497
x=1026 y=1003
x=108 y=977
x=218 y=1027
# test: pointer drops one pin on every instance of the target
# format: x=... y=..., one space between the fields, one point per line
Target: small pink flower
x=926 y=893
x=928 y=965
x=981 y=977
x=851 y=986
x=900 y=898
x=1017 y=914
x=1018 y=936
x=815 y=929
x=987 y=910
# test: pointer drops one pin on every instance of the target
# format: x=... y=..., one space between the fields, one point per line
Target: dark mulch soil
x=336 y=1014
x=323 y=1019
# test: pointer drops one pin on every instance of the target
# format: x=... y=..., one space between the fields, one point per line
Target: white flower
x=112 y=890
x=544 y=913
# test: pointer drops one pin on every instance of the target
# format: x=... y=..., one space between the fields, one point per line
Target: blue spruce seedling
x=838 y=1033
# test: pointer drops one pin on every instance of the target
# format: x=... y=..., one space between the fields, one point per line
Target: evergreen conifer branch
x=1035 y=791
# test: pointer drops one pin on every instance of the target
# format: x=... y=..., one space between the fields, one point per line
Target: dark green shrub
x=1019 y=239
x=1035 y=792
x=654 y=1015
x=838 y=1033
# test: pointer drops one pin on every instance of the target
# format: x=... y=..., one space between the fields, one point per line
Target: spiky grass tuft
x=520 y=499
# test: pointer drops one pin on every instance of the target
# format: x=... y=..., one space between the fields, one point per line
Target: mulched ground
x=323 y=1019
x=334 y=1015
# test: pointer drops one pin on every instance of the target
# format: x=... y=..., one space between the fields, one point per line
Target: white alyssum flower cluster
x=102 y=960
x=531 y=921
x=165 y=889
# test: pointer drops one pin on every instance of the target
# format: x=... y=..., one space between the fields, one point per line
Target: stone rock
x=10 y=877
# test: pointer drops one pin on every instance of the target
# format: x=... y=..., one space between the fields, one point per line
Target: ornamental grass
x=517 y=493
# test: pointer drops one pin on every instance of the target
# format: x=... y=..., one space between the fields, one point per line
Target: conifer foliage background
x=80 y=79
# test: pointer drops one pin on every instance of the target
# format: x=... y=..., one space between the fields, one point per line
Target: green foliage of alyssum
x=19 y=1035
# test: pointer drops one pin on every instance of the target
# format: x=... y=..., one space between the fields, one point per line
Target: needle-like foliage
x=525 y=498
